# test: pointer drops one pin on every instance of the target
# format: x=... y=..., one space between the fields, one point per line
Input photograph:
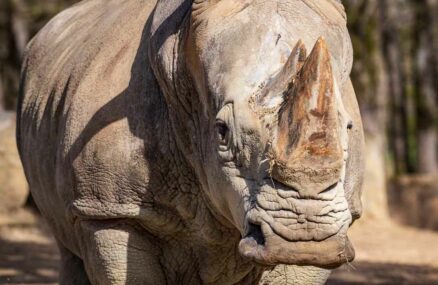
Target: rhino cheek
x=225 y=192
x=355 y=163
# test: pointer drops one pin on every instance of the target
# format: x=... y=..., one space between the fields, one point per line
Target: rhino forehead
x=240 y=51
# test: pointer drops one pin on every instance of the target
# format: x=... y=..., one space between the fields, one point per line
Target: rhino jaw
x=264 y=247
x=283 y=228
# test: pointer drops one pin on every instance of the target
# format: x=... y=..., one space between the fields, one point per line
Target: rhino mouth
x=282 y=228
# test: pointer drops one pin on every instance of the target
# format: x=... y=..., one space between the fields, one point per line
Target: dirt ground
x=386 y=254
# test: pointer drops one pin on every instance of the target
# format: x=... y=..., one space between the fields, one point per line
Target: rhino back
x=91 y=113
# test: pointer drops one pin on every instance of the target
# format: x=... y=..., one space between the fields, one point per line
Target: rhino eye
x=222 y=132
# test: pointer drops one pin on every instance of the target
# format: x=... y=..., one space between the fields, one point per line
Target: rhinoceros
x=194 y=141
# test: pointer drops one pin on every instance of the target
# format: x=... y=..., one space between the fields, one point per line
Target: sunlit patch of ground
x=391 y=255
x=387 y=254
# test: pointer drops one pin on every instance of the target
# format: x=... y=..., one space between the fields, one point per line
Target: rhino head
x=262 y=107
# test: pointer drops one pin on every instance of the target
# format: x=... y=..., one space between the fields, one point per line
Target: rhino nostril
x=329 y=189
x=280 y=185
x=255 y=232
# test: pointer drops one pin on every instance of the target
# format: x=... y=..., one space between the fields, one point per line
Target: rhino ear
x=167 y=17
x=163 y=31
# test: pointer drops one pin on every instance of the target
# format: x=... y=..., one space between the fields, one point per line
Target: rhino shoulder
x=89 y=98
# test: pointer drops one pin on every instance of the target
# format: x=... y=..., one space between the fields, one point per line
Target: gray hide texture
x=204 y=142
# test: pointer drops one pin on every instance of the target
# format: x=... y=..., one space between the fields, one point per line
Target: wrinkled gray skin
x=159 y=142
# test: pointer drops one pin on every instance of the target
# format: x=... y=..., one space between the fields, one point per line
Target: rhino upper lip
x=301 y=221
x=254 y=230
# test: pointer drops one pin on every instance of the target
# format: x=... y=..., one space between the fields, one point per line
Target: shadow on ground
x=365 y=273
x=28 y=255
x=28 y=263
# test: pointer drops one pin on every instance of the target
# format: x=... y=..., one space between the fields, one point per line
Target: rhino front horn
x=307 y=147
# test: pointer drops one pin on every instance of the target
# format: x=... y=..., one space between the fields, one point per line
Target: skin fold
x=194 y=142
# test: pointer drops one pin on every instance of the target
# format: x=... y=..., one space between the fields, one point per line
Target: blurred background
x=395 y=75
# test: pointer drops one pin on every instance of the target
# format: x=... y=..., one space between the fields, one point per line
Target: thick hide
x=193 y=142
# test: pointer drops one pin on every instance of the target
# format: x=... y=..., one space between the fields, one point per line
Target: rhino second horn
x=285 y=77
x=294 y=63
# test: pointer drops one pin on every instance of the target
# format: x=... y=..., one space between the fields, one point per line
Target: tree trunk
x=19 y=27
x=427 y=151
x=2 y=95
x=13 y=40
x=399 y=42
x=394 y=56
x=425 y=87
